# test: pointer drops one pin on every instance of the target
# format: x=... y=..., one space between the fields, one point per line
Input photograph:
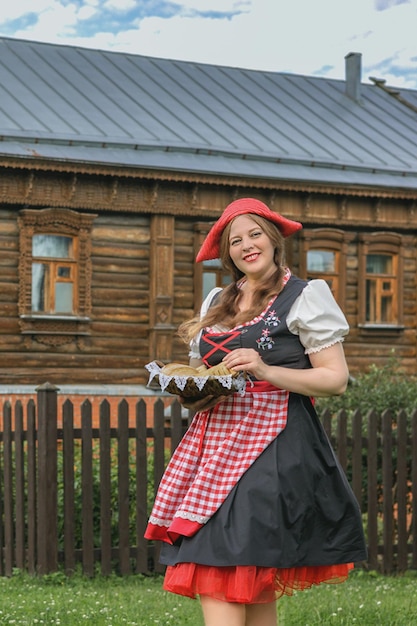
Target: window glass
x=56 y=246
x=209 y=282
x=321 y=261
x=64 y=272
x=379 y=264
x=63 y=298
x=214 y=276
x=40 y=281
x=324 y=264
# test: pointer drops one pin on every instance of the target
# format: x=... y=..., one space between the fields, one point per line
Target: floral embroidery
x=272 y=319
x=265 y=342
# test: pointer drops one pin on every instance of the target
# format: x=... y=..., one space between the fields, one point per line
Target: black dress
x=293 y=507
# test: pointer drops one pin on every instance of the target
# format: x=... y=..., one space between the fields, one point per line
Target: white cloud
x=296 y=36
x=17 y=8
x=120 y=5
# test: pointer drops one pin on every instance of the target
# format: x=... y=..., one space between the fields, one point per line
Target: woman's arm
x=328 y=376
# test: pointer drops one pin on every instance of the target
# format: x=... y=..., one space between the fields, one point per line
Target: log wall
x=143 y=272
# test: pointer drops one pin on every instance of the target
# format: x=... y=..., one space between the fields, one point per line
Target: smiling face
x=251 y=249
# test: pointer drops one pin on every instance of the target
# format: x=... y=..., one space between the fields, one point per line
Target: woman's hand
x=246 y=360
x=203 y=404
x=327 y=376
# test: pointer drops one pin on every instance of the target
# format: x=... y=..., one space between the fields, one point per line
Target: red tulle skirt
x=248 y=584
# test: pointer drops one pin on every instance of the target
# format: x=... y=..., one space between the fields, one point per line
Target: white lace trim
x=158 y=522
x=229 y=381
x=200 y=519
x=326 y=345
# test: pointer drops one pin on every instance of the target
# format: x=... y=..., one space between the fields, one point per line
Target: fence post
x=47 y=533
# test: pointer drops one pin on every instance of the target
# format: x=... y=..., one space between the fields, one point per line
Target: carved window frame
x=49 y=328
x=214 y=268
x=390 y=244
x=331 y=240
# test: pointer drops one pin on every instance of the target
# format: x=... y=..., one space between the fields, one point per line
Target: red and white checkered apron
x=218 y=448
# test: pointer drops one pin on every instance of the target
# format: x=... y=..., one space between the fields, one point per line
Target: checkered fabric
x=220 y=445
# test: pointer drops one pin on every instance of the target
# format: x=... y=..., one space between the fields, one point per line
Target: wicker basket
x=196 y=387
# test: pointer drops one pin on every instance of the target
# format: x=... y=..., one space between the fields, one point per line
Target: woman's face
x=250 y=248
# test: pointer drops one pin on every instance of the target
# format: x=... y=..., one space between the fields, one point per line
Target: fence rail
x=79 y=496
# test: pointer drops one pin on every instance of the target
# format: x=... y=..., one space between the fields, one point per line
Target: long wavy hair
x=225 y=309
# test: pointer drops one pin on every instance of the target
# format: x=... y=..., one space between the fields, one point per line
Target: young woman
x=254 y=503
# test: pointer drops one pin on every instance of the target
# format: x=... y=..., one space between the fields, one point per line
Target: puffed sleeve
x=194 y=352
x=317 y=318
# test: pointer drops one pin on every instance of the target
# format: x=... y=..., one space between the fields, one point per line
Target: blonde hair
x=225 y=309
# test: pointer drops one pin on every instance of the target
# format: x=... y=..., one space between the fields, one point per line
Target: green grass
x=366 y=599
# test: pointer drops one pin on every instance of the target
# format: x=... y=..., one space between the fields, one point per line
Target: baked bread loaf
x=178 y=369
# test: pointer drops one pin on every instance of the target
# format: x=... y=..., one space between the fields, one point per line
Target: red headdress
x=211 y=246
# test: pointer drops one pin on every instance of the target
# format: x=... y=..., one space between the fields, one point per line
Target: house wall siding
x=139 y=297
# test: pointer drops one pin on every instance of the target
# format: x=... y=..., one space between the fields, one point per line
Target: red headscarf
x=245 y=206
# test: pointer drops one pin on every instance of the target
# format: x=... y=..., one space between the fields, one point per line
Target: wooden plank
x=413 y=526
x=138 y=281
x=372 y=524
x=123 y=486
x=110 y=298
x=20 y=559
x=387 y=505
x=87 y=489
x=31 y=487
x=159 y=463
x=118 y=314
x=177 y=430
x=326 y=418
x=402 y=491
x=357 y=447
x=69 y=486
x=120 y=264
x=141 y=488
x=8 y=490
x=105 y=488
x=136 y=375
x=47 y=533
x=342 y=439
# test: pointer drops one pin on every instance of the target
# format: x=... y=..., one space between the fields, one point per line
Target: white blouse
x=314 y=316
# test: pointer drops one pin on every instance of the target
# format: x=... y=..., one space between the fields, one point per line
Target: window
x=55 y=274
x=380 y=276
x=208 y=274
x=323 y=255
x=324 y=264
x=214 y=276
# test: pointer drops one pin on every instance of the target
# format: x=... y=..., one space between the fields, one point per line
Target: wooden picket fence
x=78 y=496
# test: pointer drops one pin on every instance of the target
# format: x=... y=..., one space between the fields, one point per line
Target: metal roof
x=80 y=105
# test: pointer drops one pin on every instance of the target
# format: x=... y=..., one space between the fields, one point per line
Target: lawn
x=366 y=599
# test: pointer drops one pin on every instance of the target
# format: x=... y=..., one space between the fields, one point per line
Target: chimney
x=353 y=71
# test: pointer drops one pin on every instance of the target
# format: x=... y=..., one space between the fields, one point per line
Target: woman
x=254 y=503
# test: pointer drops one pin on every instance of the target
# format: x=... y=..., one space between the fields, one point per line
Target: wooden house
x=113 y=166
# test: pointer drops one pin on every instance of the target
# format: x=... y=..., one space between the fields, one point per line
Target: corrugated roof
x=92 y=106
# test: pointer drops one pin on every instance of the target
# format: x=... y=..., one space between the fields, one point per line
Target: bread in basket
x=188 y=382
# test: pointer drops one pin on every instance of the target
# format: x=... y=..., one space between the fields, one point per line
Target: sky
x=309 y=37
